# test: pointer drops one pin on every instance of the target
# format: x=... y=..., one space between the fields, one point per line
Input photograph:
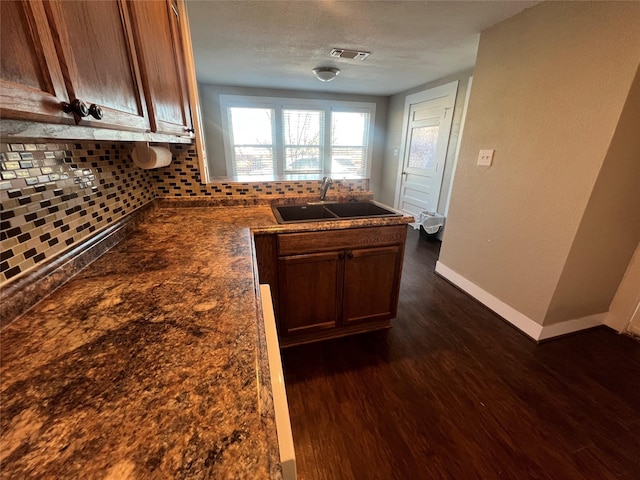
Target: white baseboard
x=570 y=326
x=523 y=323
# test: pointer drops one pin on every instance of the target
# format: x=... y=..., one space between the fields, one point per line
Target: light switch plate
x=485 y=158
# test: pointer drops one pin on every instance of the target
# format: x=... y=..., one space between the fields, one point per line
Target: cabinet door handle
x=189 y=130
x=341 y=256
x=77 y=107
x=350 y=254
x=96 y=111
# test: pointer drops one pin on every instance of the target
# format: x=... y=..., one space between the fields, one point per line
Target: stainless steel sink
x=331 y=211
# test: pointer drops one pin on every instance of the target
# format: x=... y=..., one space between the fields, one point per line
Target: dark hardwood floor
x=454 y=392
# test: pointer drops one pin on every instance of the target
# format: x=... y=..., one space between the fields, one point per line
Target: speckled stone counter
x=150 y=363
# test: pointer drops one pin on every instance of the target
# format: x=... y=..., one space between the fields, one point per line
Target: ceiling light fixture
x=326 y=74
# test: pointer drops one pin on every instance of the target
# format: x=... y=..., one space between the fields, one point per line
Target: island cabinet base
x=332 y=283
x=300 y=339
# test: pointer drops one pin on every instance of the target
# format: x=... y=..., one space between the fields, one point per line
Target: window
x=271 y=136
x=252 y=134
x=349 y=141
x=303 y=132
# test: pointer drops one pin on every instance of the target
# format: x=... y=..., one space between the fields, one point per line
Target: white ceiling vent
x=349 y=54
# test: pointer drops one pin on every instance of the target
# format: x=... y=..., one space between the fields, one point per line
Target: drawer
x=327 y=240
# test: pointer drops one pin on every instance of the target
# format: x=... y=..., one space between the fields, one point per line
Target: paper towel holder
x=142 y=151
x=145 y=156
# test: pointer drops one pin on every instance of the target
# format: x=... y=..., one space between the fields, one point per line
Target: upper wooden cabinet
x=160 y=51
x=122 y=56
x=96 y=50
x=31 y=82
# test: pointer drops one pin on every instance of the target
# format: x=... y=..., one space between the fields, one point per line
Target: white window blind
x=303 y=141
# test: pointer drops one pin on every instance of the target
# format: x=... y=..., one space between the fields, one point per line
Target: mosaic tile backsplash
x=56 y=195
x=182 y=179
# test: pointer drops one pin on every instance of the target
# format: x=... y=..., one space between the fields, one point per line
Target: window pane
x=349 y=128
x=251 y=126
x=349 y=137
x=305 y=160
x=303 y=138
x=302 y=127
x=348 y=160
x=252 y=141
x=254 y=161
x=422 y=150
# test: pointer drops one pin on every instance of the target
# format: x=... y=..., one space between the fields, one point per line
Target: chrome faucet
x=324 y=186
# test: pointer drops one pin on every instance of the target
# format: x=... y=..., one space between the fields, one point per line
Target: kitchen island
x=151 y=362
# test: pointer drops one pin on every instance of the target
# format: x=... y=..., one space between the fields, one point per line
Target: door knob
x=96 y=111
x=77 y=107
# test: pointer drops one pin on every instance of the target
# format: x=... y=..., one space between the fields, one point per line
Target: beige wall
x=391 y=165
x=210 y=104
x=548 y=91
x=610 y=227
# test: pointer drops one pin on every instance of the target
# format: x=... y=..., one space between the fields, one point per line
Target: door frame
x=457 y=154
x=634 y=322
x=420 y=97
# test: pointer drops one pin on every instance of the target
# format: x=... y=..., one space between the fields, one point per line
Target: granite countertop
x=151 y=362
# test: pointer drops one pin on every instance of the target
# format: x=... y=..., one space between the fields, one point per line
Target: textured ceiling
x=276 y=44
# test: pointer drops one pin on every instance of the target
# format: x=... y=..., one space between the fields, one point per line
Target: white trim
x=280 y=406
x=570 y=326
x=192 y=89
x=424 y=96
x=278 y=146
x=455 y=158
x=334 y=105
x=633 y=325
x=523 y=323
x=517 y=319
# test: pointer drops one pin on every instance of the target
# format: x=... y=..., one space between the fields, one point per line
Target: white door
x=427 y=126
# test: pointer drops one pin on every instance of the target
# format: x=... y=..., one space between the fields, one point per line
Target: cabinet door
x=31 y=82
x=310 y=289
x=162 y=66
x=96 y=49
x=371 y=284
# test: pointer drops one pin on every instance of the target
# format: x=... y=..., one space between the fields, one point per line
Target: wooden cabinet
x=31 y=82
x=95 y=45
x=160 y=51
x=310 y=291
x=332 y=283
x=371 y=284
x=125 y=57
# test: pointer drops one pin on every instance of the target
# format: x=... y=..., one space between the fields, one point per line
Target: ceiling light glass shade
x=326 y=74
